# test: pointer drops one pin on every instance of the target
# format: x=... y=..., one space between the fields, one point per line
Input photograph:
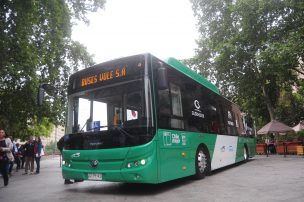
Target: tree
x=36 y=47
x=251 y=49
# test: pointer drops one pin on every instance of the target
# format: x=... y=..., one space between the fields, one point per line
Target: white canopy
x=299 y=127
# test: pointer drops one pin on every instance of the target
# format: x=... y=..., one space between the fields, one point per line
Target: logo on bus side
x=171 y=139
x=197 y=112
x=196 y=104
x=94 y=163
x=167 y=138
x=76 y=155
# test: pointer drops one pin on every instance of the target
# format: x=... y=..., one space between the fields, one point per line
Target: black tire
x=246 y=154
x=67 y=181
x=202 y=165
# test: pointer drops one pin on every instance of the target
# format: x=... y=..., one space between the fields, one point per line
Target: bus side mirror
x=44 y=88
x=40 y=95
x=162 y=78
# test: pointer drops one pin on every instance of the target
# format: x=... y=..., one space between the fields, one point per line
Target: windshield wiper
x=117 y=127
x=101 y=127
x=122 y=131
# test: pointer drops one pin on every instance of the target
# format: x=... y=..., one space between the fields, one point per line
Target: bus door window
x=164 y=108
x=177 y=108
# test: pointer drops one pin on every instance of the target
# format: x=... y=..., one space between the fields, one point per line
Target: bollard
x=285 y=149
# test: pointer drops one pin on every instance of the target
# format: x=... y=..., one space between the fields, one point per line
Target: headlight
x=66 y=163
x=138 y=163
x=143 y=162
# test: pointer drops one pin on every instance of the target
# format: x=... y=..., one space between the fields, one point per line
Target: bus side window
x=213 y=118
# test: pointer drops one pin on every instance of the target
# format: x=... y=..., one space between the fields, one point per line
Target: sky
x=165 y=28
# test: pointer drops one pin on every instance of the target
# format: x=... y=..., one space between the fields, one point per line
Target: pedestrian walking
x=6 y=155
x=18 y=157
x=21 y=154
x=14 y=151
x=38 y=150
x=29 y=155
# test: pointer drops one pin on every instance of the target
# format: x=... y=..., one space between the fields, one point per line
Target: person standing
x=18 y=157
x=14 y=151
x=29 y=155
x=22 y=157
x=6 y=155
x=38 y=152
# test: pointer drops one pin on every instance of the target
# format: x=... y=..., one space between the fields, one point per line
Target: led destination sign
x=115 y=71
x=104 y=76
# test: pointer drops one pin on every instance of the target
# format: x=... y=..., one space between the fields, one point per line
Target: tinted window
x=189 y=105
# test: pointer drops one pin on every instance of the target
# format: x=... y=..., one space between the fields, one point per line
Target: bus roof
x=190 y=73
x=170 y=61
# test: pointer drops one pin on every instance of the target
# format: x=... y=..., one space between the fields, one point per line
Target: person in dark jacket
x=29 y=155
x=18 y=157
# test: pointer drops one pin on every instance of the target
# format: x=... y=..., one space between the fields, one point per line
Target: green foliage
x=51 y=148
x=42 y=128
x=253 y=51
x=36 y=47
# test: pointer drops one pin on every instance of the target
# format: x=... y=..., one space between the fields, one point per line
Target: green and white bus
x=145 y=120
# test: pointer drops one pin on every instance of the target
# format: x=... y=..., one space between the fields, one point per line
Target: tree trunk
x=268 y=103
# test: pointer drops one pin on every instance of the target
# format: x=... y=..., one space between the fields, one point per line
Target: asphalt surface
x=273 y=178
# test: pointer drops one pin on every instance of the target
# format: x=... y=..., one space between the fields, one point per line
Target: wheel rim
x=201 y=161
x=245 y=153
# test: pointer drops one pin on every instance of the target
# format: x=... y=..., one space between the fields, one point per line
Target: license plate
x=94 y=176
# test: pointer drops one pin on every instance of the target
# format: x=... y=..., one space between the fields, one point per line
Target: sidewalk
x=44 y=163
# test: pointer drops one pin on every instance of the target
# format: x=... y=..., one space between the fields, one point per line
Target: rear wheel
x=201 y=163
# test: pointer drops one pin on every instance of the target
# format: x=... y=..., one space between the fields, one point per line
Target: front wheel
x=201 y=163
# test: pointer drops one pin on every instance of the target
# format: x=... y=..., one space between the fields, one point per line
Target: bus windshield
x=112 y=109
x=107 y=108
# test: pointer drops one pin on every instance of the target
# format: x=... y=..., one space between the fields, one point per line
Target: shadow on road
x=133 y=189
x=230 y=166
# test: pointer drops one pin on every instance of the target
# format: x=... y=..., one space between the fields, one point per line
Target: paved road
x=261 y=179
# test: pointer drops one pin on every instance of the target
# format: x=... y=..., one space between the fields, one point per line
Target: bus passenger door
x=174 y=143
